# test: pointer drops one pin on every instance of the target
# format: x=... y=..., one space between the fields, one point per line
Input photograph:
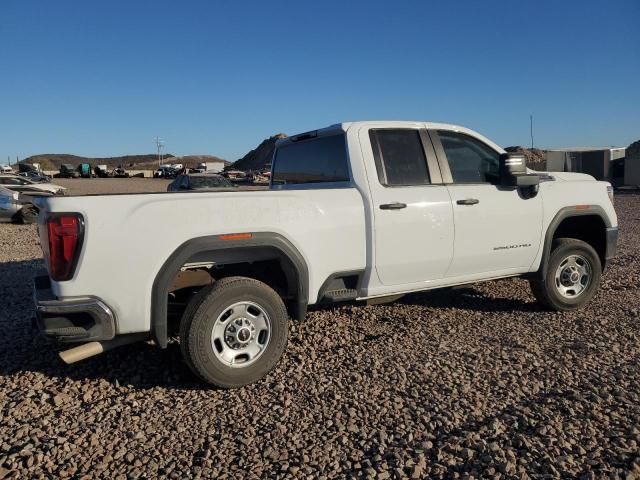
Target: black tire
x=201 y=315
x=546 y=290
x=27 y=214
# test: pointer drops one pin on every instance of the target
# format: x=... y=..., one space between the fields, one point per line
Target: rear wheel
x=234 y=332
x=572 y=276
x=27 y=214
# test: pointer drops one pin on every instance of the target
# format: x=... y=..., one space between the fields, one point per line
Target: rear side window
x=470 y=160
x=399 y=156
x=319 y=160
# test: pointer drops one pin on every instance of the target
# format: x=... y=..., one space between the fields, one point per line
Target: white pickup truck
x=355 y=211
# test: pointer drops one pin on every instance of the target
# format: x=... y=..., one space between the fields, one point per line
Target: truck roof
x=345 y=126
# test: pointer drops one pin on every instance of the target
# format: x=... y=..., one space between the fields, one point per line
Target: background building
x=603 y=163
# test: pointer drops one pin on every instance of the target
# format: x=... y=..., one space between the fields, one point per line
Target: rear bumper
x=71 y=320
x=612 y=243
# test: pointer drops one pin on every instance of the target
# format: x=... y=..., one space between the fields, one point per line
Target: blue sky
x=102 y=78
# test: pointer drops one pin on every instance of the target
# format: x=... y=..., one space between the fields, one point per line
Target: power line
x=531 y=128
x=159 y=146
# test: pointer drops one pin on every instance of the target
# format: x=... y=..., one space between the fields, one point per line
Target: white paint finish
x=123 y=252
x=501 y=218
x=568 y=191
x=129 y=237
x=415 y=243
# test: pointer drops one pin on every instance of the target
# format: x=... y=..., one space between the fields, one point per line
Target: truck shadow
x=23 y=351
x=143 y=365
x=469 y=298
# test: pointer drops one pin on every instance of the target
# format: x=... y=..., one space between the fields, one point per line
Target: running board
x=342 y=295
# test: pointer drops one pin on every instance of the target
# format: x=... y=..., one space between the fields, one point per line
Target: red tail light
x=65 y=239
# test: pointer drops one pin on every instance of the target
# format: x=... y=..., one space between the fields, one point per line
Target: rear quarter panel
x=129 y=237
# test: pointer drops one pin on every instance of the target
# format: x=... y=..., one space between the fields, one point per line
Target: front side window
x=470 y=160
x=399 y=156
x=318 y=160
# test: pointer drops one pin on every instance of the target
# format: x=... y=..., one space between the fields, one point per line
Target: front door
x=497 y=230
x=412 y=213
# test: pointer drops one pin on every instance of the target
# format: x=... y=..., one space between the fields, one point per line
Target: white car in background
x=25 y=185
x=17 y=207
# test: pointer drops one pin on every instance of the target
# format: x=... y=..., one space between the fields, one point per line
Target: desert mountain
x=260 y=157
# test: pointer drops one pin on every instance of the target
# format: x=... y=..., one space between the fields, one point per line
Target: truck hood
x=571 y=176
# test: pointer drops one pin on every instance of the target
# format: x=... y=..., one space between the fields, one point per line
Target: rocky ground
x=471 y=382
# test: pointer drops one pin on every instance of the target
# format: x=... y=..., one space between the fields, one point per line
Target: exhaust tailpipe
x=91 y=349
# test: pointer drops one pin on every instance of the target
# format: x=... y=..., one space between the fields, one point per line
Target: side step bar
x=342 y=295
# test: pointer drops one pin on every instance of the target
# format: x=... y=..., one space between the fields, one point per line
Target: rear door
x=413 y=223
x=497 y=230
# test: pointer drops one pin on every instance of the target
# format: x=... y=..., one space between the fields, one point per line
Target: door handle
x=468 y=201
x=393 y=206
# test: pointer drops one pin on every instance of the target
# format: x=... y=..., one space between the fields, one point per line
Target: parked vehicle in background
x=215 y=167
x=199 y=181
x=84 y=169
x=259 y=178
x=24 y=185
x=119 y=172
x=29 y=167
x=17 y=207
x=67 y=171
x=165 y=171
x=236 y=175
x=35 y=176
x=9 y=205
x=355 y=211
x=5 y=169
x=101 y=171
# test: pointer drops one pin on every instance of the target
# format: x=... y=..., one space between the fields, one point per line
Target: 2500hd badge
x=509 y=247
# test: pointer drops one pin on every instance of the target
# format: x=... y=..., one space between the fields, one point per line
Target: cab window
x=318 y=160
x=470 y=160
x=399 y=156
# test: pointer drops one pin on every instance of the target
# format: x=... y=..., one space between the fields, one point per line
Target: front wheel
x=572 y=277
x=233 y=332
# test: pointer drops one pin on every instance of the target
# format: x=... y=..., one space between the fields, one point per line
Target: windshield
x=209 y=182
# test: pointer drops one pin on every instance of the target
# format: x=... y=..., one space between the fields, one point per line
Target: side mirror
x=512 y=165
x=527 y=180
x=513 y=173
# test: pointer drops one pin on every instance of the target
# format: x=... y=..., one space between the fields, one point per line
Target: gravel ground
x=471 y=382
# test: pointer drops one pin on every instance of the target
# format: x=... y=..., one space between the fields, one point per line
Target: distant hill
x=260 y=157
x=52 y=161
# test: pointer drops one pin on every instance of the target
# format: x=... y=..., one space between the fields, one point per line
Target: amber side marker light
x=235 y=236
x=582 y=207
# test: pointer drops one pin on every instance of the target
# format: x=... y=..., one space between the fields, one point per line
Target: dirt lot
x=471 y=382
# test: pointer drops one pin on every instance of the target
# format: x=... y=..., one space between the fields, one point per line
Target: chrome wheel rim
x=573 y=276
x=241 y=334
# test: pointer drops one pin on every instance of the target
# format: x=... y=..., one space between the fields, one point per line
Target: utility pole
x=159 y=146
x=531 y=129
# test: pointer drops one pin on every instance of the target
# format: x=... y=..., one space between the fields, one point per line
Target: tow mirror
x=511 y=165
x=513 y=173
